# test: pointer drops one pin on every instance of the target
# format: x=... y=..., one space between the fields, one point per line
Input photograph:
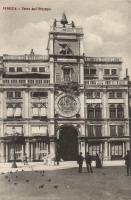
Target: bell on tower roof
x=32 y=52
x=64 y=19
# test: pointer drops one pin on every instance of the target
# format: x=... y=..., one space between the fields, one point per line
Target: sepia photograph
x=65 y=100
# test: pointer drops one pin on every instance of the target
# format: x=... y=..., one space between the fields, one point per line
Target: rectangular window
x=93 y=71
x=9 y=95
x=41 y=69
x=120 y=131
x=93 y=149
x=17 y=95
x=90 y=113
x=86 y=71
x=43 y=130
x=90 y=131
x=58 y=78
x=42 y=111
x=34 y=69
x=89 y=95
x=19 y=69
x=10 y=112
x=40 y=150
x=120 y=112
x=39 y=94
x=18 y=112
x=98 y=113
x=19 y=130
x=113 y=132
x=98 y=131
x=113 y=113
x=11 y=69
x=35 y=111
x=35 y=130
x=119 y=94
x=97 y=95
x=39 y=130
x=114 y=72
x=67 y=75
x=106 y=72
x=14 y=130
x=111 y=95
x=116 y=150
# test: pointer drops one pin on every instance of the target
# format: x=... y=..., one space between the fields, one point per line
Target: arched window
x=90 y=112
x=98 y=111
x=67 y=73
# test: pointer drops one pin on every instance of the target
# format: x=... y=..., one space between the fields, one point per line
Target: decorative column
x=52 y=147
x=28 y=151
x=82 y=103
x=86 y=148
x=123 y=147
x=52 y=74
x=26 y=104
x=83 y=130
x=83 y=148
x=50 y=47
x=81 y=72
x=109 y=151
x=52 y=102
x=2 y=104
x=3 y=159
x=100 y=74
x=105 y=112
x=126 y=109
x=32 y=153
x=105 y=150
x=6 y=150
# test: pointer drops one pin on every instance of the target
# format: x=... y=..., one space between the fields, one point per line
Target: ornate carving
x=69 y=87
x=65 y=49
x=67 y=105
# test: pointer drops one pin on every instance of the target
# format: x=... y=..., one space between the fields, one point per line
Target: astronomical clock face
x=67 y=105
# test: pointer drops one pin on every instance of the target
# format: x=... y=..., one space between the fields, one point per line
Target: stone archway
x=68 y=143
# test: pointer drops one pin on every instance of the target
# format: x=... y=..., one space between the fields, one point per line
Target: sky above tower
x=106 y=25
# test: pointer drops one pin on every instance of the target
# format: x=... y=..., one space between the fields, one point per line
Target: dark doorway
x=68 y=143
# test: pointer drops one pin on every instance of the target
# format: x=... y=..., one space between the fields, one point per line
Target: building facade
x=64 y=102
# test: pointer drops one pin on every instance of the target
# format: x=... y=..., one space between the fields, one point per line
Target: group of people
x=49 y=159
x=88 y=160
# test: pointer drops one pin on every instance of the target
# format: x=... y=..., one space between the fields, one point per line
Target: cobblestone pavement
x=37 y=183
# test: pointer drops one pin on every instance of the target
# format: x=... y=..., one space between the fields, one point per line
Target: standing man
x=128 y=162
x=25 y=159
x=80 y=162
x=88 y=160
x=57 y=158
x=101 y=158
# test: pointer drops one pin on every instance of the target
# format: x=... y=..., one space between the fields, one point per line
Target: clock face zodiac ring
x=67 y=105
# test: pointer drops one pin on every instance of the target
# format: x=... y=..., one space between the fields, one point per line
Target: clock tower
x=65 y=49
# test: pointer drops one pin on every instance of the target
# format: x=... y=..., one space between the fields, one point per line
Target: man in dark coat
x=80 y=162
x=57 y=158
x=128 y=162
x=88 y=160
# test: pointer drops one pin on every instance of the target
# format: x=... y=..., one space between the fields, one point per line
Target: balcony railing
x=69 y=29
x=105 y=82
x=103 y=59
x=26 y=57
x=36 y=82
